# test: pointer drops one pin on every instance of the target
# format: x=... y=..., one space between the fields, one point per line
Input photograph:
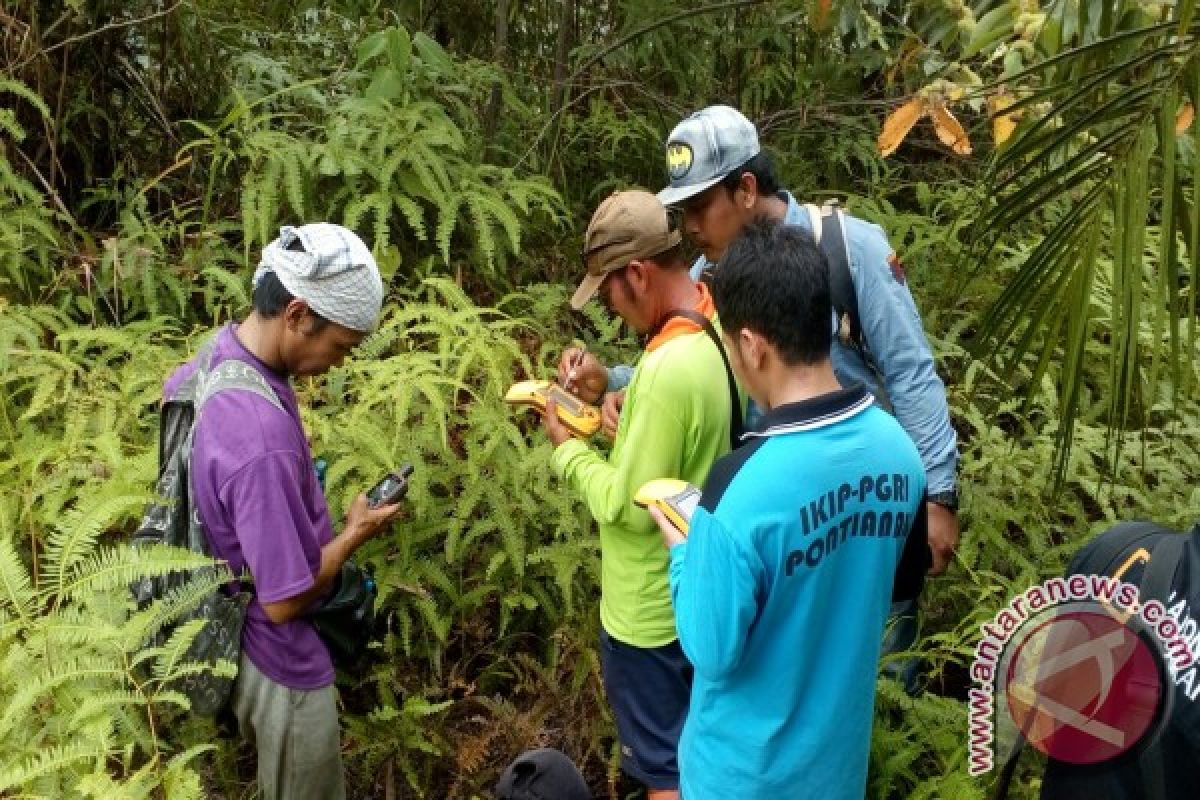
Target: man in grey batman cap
x=317 y=294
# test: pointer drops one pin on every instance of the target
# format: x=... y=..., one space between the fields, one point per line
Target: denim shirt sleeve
x=897 y=344
x=620 y=375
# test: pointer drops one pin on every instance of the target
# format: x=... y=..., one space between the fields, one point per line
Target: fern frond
x=116 y=567
x=53 y=676
x=227 y=286
x=102 y=703
x=168 y=657
x=16 y=588
x=49 y=762
x=177 y=604
x=75 y=537
x=447 y=220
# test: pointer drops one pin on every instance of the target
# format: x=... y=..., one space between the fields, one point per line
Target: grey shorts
x=295 y=733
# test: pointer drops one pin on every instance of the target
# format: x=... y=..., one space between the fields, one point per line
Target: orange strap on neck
x=682 y=326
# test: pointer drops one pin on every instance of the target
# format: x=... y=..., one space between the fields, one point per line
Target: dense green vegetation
x=148 y=149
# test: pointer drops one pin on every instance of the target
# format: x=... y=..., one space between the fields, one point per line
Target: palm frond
x=1102 y=155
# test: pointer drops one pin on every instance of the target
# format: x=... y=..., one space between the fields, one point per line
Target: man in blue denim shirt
x=722 y=181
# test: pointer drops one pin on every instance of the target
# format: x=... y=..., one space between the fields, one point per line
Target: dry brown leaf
x=950 y=131
x=1003 y=125
x=898 y=124
x=1183 y=120
x=821 y=15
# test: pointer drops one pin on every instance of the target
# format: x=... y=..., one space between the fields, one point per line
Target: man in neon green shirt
x=676 y=422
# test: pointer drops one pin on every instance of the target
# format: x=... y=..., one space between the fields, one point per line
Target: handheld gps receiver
x=581 y=419
x=676 y=499
x=389 y=490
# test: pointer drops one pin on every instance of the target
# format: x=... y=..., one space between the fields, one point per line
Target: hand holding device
x=581 y=419
x=675 y=499
x=391 y=489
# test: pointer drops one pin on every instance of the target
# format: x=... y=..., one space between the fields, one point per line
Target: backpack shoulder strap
x=814 y=219
x=737 y=425
x=226 y=376
x=832 y=240
x=186 y=391
x=234 y=374
x=1165 y=557
x=1106 y=551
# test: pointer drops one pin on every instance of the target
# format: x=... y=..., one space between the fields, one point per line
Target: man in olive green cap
x=676 y=422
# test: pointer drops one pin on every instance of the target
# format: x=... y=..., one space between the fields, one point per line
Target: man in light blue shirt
x=802 y=538
x=730 y=182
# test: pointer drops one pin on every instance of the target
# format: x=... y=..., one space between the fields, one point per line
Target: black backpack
x=1165 y=565
x=172 y=519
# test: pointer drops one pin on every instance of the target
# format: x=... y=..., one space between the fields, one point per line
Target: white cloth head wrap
x=335 y=273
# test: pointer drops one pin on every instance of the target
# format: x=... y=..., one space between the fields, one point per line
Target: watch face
x=945 y=499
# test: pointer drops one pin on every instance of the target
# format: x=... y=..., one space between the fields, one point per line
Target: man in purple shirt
x=317 y=294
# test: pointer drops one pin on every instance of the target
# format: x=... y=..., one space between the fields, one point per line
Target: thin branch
x=178 y=165
x=114 y=26
x=550 y=123
x=101 y=30
x=153 y=103
x=562 y=103
x=653 y=26
x=9 y=21
x=63 y=17
x=45 y=184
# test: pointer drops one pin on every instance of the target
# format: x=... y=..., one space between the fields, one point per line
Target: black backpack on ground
x=172 y=519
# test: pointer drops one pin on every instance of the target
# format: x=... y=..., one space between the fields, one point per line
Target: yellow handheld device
x=580 y=418
x=676 y=499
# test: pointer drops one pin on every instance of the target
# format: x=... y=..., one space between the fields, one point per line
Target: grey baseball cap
x=704 y=148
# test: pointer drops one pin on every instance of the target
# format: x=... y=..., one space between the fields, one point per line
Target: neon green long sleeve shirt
x=674 y=424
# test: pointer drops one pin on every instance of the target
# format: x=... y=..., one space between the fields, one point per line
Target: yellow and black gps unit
x=676 y=499
x=581 y=419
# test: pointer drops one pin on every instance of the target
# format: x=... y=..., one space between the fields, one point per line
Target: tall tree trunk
x=562 y=48
x=500 y=57
x=560 y=95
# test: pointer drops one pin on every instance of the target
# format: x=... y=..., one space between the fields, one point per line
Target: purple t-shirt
x=263 y=509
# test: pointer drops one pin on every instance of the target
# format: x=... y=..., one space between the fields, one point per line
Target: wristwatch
x=947 y=499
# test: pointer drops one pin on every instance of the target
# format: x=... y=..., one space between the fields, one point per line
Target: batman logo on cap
x=679 y=159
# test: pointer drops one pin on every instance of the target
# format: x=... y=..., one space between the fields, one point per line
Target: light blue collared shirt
x=898 y=351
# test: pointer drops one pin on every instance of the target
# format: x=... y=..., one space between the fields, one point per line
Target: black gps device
x=389 y=490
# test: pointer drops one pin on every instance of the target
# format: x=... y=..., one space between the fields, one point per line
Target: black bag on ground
x=171 y=519
x=346 y=621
